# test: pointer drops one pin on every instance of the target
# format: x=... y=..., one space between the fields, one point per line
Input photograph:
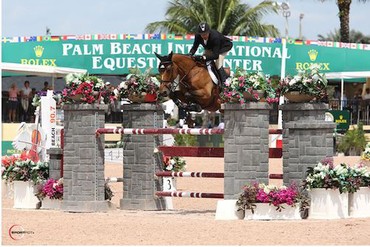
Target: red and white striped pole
x=190 y=174
x=189 y=194
x=159 y=131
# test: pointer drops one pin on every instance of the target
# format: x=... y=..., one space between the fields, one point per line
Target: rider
x=215 y=44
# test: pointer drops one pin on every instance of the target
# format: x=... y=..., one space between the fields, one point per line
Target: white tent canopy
x=39 y=70
x=346 y=75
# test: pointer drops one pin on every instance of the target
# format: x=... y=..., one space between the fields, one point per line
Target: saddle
x=210 y=66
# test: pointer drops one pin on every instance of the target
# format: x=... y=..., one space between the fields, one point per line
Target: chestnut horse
x=187 y=83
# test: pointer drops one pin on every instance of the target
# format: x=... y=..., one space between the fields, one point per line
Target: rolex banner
x=115 y=54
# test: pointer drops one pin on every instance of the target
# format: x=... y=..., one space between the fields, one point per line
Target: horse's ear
x=158 y=56
x=170 y=56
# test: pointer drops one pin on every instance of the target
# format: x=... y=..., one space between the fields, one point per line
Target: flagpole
x=282 y=75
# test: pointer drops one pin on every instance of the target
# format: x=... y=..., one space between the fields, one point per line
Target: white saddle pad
x=211 y=74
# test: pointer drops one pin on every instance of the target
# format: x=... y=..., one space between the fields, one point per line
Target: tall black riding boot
x=223 y=75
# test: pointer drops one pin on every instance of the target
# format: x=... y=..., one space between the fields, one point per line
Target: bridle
x=173 y=82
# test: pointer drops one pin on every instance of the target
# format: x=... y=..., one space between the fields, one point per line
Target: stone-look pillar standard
x=55 y=159
x=83 y=158
x=139 y=159
x=307 y=138
x=246 y=145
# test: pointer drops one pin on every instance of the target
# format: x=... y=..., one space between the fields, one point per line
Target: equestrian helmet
x=203 y=27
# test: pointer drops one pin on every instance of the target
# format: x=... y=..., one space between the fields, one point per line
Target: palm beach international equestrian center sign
x=116 y=53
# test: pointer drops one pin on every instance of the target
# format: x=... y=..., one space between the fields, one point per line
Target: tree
x=344 y=8
x=229 y=17
x=354 y=37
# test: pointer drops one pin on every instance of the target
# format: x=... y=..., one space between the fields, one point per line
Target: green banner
x=7 y=148
x=116 y=56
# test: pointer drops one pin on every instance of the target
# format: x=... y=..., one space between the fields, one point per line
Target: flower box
x=265 y=211
x=48 y=203
x=359 y=203
x=328 y=204
x=6 y=189
x=297 y=97
x=24 y=195
x=227 y=210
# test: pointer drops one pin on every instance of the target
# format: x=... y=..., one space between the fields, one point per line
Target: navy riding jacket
x=217 y=43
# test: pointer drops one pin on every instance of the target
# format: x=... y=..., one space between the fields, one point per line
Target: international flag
x=133 y=36
x=290 y=41
x=80 y=37
x=269 y=40
x=345 y=45
x=234 y=38
x=68 y=37
x=54 y=38
x=163 y=36
x=179 y=37
x=121 y=36
x=360 y=46
x=139 y=36
x=311 y=42
x=39 y=38
x=156 y=36
x=9 y=39
x=189 y=36
x=354 y=46
x=321 y=43
x=298 y=42
x=87 y=37
x=329 y=44
x=252 y=39
x=337 y=44
x=31 y=38
x=22 y=39
x=171 y=36
x=5 y=39
x=278 y=40
x=366 y=47
x=113 y=36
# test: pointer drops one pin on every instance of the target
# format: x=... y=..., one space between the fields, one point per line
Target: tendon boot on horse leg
x=194 y=107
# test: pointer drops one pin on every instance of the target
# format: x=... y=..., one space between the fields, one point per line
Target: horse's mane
x=178 y=56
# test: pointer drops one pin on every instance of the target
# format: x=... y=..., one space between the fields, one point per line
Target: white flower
x=169 y=167
x=292 y=82
x=341 y=170
x=155 y=80
x=123 y=85
x=116 y=92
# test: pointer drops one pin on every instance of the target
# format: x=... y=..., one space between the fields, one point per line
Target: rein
x=181 y=81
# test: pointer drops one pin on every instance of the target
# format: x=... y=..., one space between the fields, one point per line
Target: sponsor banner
x=116 y=53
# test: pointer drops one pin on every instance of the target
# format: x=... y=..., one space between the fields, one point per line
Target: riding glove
x=199 y=58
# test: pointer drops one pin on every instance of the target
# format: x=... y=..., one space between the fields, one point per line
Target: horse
x=188 y=83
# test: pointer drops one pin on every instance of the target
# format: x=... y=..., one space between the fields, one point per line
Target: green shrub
x=353 y=142
x=185 y=140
